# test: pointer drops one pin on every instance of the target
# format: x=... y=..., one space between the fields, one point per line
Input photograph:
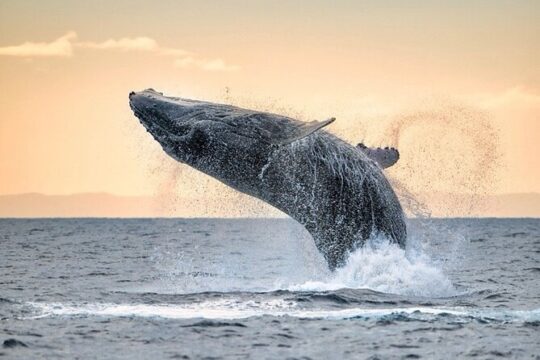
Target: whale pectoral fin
x=383 y=157
x=301 y=131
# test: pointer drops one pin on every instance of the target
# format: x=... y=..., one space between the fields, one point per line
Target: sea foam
x=384 y=267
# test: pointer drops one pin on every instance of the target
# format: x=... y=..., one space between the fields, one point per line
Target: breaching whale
x=337 y=191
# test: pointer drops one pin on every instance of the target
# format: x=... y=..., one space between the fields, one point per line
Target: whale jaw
x=161 y=117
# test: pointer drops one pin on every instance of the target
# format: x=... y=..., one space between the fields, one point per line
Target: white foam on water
x=379 y=266
x=216 y=309
x=385 y=267
x=233 y=309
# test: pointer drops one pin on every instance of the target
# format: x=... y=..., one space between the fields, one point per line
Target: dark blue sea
x=258 y=289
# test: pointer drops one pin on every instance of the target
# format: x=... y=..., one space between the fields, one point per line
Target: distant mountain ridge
x=108 y=205
x=31 y=205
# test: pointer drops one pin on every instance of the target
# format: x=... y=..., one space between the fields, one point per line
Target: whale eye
x=198 y=140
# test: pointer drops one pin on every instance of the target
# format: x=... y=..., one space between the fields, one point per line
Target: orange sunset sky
x=454 y=85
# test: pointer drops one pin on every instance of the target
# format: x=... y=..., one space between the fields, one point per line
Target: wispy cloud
x=61 y=47
x=141 y=43
x=125 y=44
x=65 y=45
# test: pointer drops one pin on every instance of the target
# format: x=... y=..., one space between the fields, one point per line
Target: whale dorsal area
x=383 y=157
x=269 y=128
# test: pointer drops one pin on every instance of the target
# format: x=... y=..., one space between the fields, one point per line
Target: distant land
x=107 y=205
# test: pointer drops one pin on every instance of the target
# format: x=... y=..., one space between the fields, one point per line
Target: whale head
x=217 y=139
x=188 y=130
x=168 y=120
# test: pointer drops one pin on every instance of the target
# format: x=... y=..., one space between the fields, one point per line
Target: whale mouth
x=162 y=133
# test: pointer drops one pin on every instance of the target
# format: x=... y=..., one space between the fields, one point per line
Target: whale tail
x=383 y=157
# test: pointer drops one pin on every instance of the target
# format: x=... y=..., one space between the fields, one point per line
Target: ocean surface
x=258 y=289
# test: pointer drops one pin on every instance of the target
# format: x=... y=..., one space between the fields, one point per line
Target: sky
x=454 y=85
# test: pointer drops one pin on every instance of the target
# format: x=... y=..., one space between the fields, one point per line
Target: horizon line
x=173 y=193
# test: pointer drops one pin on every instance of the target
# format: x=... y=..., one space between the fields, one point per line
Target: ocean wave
x=232 y=309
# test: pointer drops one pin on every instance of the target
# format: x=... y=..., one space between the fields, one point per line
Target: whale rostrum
x=337 y=191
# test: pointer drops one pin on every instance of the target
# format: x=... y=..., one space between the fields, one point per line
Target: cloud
x=141 y=43
x=61 y=47
x=184 y=58
x=64 y=46
x=205 y=64
x=125 y=44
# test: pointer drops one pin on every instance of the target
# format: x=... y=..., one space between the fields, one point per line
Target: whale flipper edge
x=301 y=131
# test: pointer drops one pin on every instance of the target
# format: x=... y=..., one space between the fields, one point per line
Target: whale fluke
x=383 y=157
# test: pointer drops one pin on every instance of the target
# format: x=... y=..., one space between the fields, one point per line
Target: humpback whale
x=337 y=191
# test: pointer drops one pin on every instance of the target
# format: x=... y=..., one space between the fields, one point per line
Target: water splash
x=449 y=159
x=384 y=267
x=379 y=266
